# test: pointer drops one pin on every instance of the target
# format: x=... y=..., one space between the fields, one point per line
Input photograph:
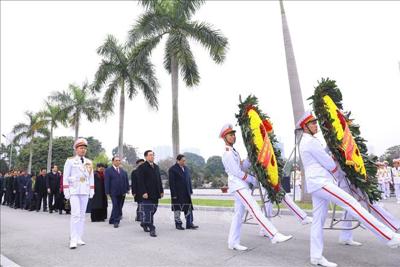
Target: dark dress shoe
x=153 y=233
x=116 y=225
x=179 y=227
x=145 y=228
x=193 y=227
x=50 y=211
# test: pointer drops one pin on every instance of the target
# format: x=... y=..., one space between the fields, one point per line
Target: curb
x=6 y=262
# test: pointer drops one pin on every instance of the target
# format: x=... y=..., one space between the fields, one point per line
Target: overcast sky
x=47 y=45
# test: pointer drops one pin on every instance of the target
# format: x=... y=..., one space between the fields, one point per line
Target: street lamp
x=12 y=145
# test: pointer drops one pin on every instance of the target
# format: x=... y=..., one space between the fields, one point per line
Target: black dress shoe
x=145 y=228
x=179 y=227
x=193 y=227
x=50 y=211
x=153 y=233
x=116 y=225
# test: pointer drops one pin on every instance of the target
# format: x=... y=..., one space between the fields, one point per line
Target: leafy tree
x=126 y=76
x=77 y=102
x=130 y=154
x=214 y=167
x=173 y=19
x=196 y=164
x=390 y=154
x=62 y=149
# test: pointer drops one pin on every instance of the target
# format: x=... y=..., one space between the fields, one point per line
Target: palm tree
x=77 y=102
x=126 y=76
x=52 y=115
x=173 y=19
x=34 y=127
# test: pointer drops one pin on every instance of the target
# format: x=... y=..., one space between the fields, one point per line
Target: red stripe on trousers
x=356 y=211
x=255 y=214
x=383 y=217
x=293 y=209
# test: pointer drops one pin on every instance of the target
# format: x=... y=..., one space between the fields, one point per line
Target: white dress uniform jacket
x=396 y=175
x=236 y=170
x=78 y=177
x=318 y=162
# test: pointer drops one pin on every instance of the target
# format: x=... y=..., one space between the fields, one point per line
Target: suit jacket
x=134 y=184
x=116 y=184
x=149 y=181
x=180 y=184
x=53 y=182
x=40 y=185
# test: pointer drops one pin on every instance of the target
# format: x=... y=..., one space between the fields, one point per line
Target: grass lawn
x=228 y=203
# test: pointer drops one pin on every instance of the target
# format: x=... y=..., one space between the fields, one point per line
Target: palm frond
x=211 y=39
x=148 y=25
x=150 y=93
x=107 y=105
x=179 y=47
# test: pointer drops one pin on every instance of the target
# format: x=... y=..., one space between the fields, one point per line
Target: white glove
x=67 y=195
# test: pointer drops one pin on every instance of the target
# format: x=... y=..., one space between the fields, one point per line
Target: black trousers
x=52 y=200
x=39 y=198
x=116 y=212
x=22 y=199
x=17 y=203
x=188 y=216
x=148 y=208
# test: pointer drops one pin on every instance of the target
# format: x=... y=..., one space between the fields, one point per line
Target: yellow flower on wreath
x=348 y=146
x=265 y=150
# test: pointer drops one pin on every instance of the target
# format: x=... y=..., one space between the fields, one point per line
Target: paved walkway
x=41 y=239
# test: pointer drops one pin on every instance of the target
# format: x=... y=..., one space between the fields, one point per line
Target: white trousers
x=245 y=201
x=78 y=211
x=397 y=191
x=297 y=193
x=387 y=189
x=332 y=193
x=298 y=213
x=381 y=187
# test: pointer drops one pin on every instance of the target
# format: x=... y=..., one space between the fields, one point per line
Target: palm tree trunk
x=76 y=128
x=294 y=84
x=175 y=114
x=121 y=121
x=30 y=156
x=50 y=152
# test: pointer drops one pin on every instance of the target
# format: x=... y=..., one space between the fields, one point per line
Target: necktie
x=82 y=159
x=118 y=170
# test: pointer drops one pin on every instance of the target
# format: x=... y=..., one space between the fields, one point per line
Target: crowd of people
x=79 y=189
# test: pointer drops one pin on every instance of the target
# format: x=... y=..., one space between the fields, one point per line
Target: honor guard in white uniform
x=380 y=174
x=396 y=178
x=238 y=183
x=320 y=173
x=78 y=185
x=376 y=209
x=388 y=178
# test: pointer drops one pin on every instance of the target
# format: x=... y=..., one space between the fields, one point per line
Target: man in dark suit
x=180 y=184
x=116 y=186
x=53 y=187
x=22 y=180
x=149 y=190
x=41 y=190
x=134 y=187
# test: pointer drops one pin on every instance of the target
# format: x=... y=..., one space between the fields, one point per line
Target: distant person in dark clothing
x=30 y=203
x=150 y=190
x=99 y=201
x=133 y=189
x=40 y=190
x=180 y=184
x=53 y=187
